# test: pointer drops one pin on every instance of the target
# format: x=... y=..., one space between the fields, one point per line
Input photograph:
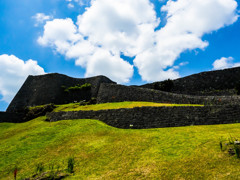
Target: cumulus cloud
x=224 y=62
x=110 y=28
x=102 y=62
x=40 y=18
x=187 y=22
x=59 y=34
x=13 y=72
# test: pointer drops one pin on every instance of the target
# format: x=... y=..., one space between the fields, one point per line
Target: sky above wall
x=130 y=41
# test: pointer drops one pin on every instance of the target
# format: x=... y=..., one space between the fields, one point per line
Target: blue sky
x=130 y=41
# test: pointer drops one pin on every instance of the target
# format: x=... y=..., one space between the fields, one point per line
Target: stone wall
x=11 y=117
x=156 y=117
x=119 y=93
x=219 y=82
x=46 y=89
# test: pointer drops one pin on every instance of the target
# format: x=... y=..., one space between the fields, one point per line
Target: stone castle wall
x=219 y=82
x=156 y=117
x=11 y=117
x=119 y=93
x=46 y=89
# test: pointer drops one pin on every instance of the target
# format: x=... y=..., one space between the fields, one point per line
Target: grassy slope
x=104 y=152
x=127 y=104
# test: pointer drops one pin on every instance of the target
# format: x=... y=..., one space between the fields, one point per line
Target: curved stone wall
x=219 y=82
x=156 y=117
x=46 y=89
x=119 y=93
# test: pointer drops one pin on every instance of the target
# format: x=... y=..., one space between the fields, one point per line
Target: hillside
x=104 y=152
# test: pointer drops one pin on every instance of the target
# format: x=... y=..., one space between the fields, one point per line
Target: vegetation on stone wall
x=33 y=112
x=166 y=85
x=237 y=87
x=77 y=88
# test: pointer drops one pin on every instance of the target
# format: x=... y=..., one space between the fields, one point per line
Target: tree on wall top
x=166 y=85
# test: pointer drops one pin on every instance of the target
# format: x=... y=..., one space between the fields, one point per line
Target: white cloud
x=83 y=2
x=41 y=18
x=120 y=26
x=70 y=5
x=79 y=2
x=60 y=34
x=13 y=72
x=187 y=22
x=102 y=62
x=224 y=63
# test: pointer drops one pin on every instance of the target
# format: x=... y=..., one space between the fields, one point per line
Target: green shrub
x=77 y=88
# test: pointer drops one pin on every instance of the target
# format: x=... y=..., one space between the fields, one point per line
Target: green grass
x=104 y=152
x=118 y=105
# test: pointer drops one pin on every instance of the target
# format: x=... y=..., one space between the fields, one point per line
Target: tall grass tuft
x=71 y=162
x=237 y=150
x=39 y=168
x=15 y=172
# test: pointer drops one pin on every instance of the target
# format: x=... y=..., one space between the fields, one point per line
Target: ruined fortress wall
x=10 y=117
x=45 y=89
x=156 y=117
x=206 y=82
x=119 y=93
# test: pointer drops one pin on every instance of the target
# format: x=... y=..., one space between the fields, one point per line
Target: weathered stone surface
x=119 y=93
x=46 y=89
x=156 y=117
x=220 y=82
x=11 y=117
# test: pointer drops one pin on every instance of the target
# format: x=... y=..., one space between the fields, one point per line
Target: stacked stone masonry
x=219 y=82
x=11 y=117
x=119 y=93
x=156 y=117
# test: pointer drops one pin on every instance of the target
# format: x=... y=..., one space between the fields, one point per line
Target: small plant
x=39 y=168
x=237 y=87
x=93 y=100
x=221 y=145
x=51 y=167
x=237 y=150
x=233 y=146
x=71 y=163
x=15 y=172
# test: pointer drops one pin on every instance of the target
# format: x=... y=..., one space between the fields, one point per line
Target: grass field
x=118 y=105
x=104 y=152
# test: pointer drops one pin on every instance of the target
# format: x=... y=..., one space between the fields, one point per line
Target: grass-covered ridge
x=116 y=105
x=104 y=152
